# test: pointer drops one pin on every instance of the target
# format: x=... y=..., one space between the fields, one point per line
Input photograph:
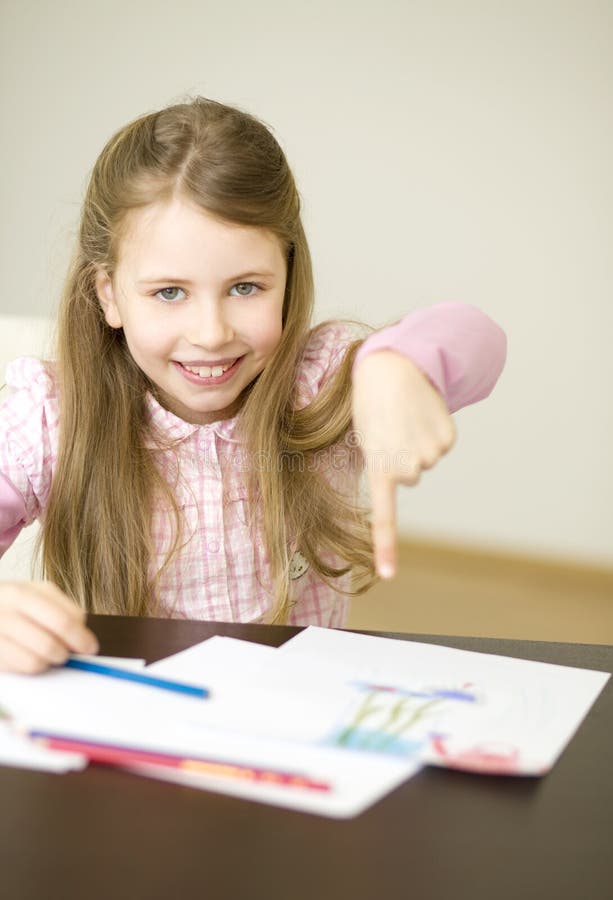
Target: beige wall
x=444 y=150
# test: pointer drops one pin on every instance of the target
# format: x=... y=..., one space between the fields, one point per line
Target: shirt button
x=213 y=547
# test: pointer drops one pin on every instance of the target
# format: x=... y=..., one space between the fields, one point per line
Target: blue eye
x=165 y=290
x=250 y=287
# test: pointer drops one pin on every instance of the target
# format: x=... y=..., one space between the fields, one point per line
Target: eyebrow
x=244 y=276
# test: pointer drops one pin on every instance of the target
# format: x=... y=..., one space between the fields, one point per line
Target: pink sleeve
x=460 y=349
x=12 y=513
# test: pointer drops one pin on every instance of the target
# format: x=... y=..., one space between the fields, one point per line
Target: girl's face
x=200 y=304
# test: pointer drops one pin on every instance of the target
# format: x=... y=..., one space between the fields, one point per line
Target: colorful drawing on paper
x=494 y=757
x=393 y=720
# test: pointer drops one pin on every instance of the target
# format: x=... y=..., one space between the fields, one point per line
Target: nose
x=210 y=327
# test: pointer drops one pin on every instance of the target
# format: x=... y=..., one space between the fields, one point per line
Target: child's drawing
x=497 y=758
x=393 y=720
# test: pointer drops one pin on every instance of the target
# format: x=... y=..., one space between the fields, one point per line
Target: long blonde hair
x=96 y=537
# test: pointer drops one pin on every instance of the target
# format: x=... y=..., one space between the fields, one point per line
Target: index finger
x=383 y=500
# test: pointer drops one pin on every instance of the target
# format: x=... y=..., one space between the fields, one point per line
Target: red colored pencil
x=109 y=754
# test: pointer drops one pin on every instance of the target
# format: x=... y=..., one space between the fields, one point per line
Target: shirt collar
x=176 y=429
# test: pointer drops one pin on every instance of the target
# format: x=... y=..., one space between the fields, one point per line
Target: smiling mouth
x=216 y=374
x=209 y=371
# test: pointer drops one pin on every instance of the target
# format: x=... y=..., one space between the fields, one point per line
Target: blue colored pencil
x=138 y=677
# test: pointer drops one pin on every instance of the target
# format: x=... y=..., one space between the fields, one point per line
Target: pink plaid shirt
x=221 y=573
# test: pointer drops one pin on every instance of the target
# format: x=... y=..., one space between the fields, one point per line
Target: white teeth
x=208 y=371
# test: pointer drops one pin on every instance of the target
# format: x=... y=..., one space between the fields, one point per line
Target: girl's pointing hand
x=404 y=427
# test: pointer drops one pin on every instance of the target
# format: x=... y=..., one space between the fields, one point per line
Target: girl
x=195 y=450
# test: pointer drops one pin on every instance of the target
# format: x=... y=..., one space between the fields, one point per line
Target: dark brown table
x=105 y=833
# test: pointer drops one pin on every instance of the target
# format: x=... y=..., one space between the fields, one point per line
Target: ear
x=106 y=296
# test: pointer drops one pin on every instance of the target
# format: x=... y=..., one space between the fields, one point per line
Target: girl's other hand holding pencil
x=39 y=627
x=404 y=427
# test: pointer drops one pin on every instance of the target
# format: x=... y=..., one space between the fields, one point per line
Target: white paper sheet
x=81 y=705
x=480 y=711
x=120 y=662
x=357 y=713
x=216 y=661
x=19 y=752
x=355 y=782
